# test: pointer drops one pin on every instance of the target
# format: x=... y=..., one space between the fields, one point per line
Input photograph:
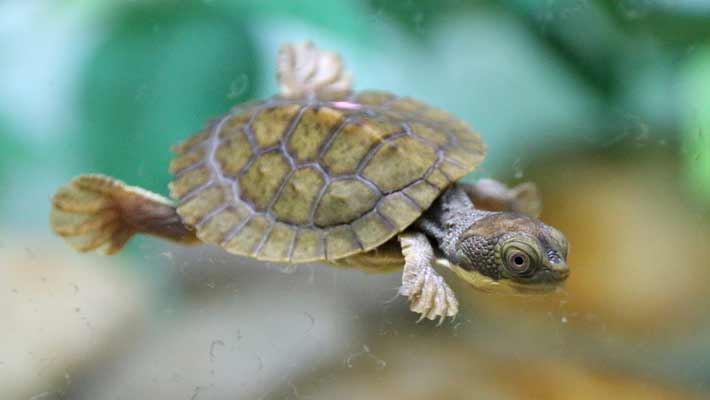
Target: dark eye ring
x=519 y=262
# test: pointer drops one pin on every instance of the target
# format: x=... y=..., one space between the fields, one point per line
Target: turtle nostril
x=554 y=257
x=557 y=264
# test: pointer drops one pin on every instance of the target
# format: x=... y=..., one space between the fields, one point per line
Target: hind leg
x=96 y=212
x=491 y=195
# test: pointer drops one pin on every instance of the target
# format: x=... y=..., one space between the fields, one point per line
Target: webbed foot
x=428 y=293
x=491 y=195
x=97 y=212
x=305 y=70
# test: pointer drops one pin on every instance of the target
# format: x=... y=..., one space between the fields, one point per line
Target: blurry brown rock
x=59 y=311
x=230 y=345
x=639 y=248
x=421 y=368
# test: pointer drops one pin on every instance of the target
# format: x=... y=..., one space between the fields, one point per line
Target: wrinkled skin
x=513 y=247
x=492 y=250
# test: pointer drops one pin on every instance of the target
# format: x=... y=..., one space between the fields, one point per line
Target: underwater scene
x=376 y=199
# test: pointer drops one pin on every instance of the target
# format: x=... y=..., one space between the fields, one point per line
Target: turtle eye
x=519 y=262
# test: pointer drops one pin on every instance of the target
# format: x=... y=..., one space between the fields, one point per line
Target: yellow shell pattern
x=318 y=179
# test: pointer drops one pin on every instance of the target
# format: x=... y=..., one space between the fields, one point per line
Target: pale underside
x=318 y=179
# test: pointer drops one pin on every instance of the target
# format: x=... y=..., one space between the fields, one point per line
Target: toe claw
x=428 y=293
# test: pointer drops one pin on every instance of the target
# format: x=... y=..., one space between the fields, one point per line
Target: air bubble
x=238 y=87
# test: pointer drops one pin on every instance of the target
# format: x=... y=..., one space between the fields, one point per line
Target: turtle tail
x=100 y=213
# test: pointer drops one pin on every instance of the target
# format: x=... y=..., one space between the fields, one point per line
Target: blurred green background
x=605 y=104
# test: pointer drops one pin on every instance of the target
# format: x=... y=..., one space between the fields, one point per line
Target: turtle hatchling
x=320 y=172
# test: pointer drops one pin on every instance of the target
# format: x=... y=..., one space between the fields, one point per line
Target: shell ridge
x=369 y=183
x=323 y=248
x=388 y=222
x=333 y=135
x=295 y=121
x=192 y=193
x=292 y=245
x=189 y=168
x=324 y=245
x=256 y=151
x=448 y=178
x=316 y=203
x=439 y=157
x=220 y=177
x=383 y=198
x=264 y=238
x=431 y=184
x=246 y=167
x=210 y=159
x=279 y=191
x=357 y=238
x=291 y=160
x=211 y=214
x=318 y=164
x=371 y=153
x=424 y=140
x=452 y=161
x=364 y=180
x=410 y=199
x=452 y=138
x=251 y=138
x=235 y=230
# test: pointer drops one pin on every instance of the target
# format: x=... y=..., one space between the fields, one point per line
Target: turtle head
x=513 y=252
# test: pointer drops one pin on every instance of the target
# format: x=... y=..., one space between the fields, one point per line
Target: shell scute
x=262 y=180
x=187 y=159
x=234 y=153
x=423 y=193
x=430 y=134
x=216 y=228
x=372 y=229
x=315 y=128
x=438 y=178
x=195 y=139
x=398 y=163
x=278 y=243
x=341 y=242
x=248 y=238
x=269 y=126
x=463 y=156
x=308 y=246
x=344 y=201
x=398 y=209
x=299 y=195
x=452 y=170
x=198 y=207
x=303 y=180
x=234 y=125
x=189 y=181
x=352 y=144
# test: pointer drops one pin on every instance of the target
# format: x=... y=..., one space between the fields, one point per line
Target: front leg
x=428 y=293
x=491 y=195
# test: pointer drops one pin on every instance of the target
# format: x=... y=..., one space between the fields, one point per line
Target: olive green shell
x=306 y=180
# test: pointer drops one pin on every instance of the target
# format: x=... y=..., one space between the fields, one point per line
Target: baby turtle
x=323 y=173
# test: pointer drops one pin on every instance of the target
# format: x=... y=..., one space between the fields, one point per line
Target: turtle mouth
x=532 y=288
x=508 y=286
x=504 y=285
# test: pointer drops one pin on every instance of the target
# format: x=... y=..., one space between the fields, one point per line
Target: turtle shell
x=318 y=179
